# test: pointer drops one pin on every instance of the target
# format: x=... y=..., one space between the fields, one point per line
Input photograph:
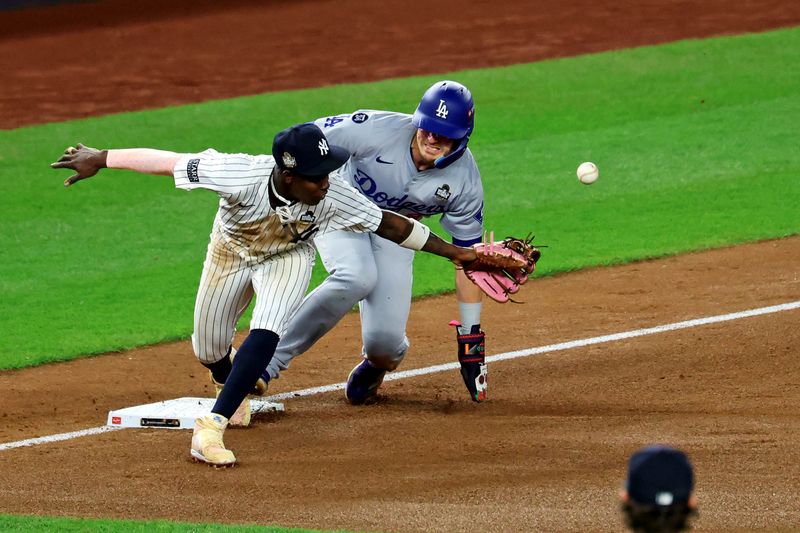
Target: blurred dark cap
x=660 y=476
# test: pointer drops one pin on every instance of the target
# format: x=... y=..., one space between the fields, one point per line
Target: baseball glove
x=501 y=267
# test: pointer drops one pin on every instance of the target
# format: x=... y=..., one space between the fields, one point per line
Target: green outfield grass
x=696 y=143
x=20 y=524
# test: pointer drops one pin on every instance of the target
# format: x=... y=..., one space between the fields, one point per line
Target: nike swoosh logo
x=379 y=160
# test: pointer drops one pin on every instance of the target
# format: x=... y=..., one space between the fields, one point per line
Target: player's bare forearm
x=399 y=229
x=466 y=291
x=457 y=254
x=394 y=227
x=86 y=161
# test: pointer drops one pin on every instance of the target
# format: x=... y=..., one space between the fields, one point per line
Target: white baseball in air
x=588 y=173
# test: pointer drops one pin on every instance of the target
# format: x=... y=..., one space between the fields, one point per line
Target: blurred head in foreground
x=658 y=494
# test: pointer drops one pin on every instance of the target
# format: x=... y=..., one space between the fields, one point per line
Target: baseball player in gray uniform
x=416 y=165
x=270 y=207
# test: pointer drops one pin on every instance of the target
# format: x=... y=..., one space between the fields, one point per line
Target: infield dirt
x=548 y=451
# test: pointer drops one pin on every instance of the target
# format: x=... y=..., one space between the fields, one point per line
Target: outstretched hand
x=85 y=161
x=465 y=257
x=501 y=267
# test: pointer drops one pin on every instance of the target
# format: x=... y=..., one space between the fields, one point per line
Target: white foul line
x=58 y=437
x=452 y=366
x=557 y=347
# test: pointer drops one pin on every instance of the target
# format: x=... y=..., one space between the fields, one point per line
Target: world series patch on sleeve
x=502 y=267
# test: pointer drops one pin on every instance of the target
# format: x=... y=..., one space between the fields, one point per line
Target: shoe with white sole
x=207 y=445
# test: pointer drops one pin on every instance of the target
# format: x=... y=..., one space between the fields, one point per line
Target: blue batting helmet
x=447 y=109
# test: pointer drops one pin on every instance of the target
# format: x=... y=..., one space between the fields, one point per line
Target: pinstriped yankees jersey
x=245 y=219
x=382 y=169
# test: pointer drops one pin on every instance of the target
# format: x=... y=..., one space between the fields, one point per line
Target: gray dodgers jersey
x=382 y=169
x=246 y=220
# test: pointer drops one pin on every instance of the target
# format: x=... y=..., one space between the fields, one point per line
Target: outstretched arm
x=411 y=234
x=86 y=161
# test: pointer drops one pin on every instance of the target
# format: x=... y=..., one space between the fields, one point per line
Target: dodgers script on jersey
x=381 y=168
x=248 y=223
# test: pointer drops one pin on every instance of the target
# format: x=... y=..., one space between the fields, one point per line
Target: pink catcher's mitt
x=501 y=267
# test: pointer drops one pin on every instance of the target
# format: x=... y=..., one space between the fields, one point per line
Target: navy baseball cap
x=659 y=476
x=304 y=149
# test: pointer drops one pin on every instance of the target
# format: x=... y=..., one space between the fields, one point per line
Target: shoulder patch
x=191 y=170
x=360 y=118
x=442 y=193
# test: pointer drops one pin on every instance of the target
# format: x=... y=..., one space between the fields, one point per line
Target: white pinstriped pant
x=228 y=284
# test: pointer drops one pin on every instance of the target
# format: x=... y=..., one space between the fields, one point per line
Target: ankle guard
x=472 y=357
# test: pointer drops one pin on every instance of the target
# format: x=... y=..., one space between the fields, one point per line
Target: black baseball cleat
x=363 y=383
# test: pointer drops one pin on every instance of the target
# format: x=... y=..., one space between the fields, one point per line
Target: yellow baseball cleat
x=207 y=445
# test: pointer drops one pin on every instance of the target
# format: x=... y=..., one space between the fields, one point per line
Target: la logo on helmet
x=442 y=111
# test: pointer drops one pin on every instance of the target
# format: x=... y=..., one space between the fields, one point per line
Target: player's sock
x=221 y=369
x=470 y=314
x=252 y=358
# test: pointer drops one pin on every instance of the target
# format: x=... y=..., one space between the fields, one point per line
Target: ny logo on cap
x=442 y=111
x=664 y=498
x=288 y=160
x=323 y=147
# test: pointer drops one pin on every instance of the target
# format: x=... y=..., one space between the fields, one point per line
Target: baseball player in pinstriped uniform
x=416 y=165
x=261 y=244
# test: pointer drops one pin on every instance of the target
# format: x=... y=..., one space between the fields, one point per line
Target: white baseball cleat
x=207 y=445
